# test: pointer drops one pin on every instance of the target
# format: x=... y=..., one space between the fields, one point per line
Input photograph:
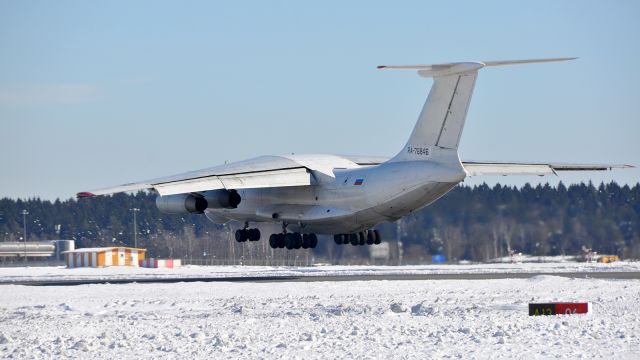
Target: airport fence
x=33 y=263
x=291 y=261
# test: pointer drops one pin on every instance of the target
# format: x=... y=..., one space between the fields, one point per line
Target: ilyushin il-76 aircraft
x=346 y=196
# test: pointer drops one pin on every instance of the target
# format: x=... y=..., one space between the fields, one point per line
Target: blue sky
x=97 y=94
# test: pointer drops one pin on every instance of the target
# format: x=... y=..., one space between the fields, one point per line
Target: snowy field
x=343 y=320
x=191 y=271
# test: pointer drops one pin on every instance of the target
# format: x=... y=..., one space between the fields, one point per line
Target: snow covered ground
x=59 y=273
x=343 y=320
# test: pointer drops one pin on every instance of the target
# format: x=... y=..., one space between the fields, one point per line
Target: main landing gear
x=278 y=241
x=293 y=241
x=369 y=237
x=245 y=234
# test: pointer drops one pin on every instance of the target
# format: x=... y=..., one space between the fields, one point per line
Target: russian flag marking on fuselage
x=358 y=182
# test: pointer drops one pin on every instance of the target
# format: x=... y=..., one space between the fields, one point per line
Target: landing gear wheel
x=346 y=238
x=338 y=239
x=313 y=241
x=361 y=238
x=280 y=241
x=353 y=238
x=305 y=241
x=241 y=235
x=289 y=241
x=376 y=237
x=254 y=234
x=273 y=241
x=370 y=237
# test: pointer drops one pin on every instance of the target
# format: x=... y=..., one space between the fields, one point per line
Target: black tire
x=370 y=237
x=337 y=238
x=362 y=238
x=353 y=238
x=305 y=241
x=298 y=240
x=289 y=241
x=376 y=237
x=346 y=238
x=313 y=241
x=280 y=240
x=273 y=241
x=241 y=235
x=254 y=234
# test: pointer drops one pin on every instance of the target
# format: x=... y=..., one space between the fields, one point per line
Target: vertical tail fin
x=441 y=121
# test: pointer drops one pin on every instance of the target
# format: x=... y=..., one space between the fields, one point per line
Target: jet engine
x=222 y=199
x=198 y=203
x=181 y=204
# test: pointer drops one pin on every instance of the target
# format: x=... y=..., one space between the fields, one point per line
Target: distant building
x=103 y=257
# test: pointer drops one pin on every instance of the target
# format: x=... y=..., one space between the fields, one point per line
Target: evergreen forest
x=476 y=223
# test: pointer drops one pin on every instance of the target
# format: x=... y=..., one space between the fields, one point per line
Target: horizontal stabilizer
x=445 y=69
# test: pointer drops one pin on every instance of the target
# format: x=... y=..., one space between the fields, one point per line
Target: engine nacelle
x=197 y=204
x=181 y=204
x=222 y=199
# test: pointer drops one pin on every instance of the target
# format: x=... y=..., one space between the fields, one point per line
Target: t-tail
x=437 y=132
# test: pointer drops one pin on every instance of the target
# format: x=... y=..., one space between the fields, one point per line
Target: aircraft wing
x=474 y=168
x=262 y=172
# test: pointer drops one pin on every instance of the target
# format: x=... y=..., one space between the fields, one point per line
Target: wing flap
x=189 y=186
x=274 y=178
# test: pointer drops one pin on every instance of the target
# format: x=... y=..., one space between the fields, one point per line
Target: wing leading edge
x=299 y=176
x=265 y=171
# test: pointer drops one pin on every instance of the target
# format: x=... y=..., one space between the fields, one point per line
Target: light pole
x=24 y=224
x=57 y=228
x=135 y=231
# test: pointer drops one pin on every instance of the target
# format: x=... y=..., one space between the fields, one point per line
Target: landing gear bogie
x=293 y=241
x=245 y=234
x=369 y=237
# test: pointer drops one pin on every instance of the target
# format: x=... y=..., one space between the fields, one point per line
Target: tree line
x=476 y=223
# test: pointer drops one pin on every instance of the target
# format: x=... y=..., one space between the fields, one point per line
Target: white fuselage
x=347 y=200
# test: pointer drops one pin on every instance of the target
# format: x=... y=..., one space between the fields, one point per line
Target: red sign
x=558 y=309
x=572 y=308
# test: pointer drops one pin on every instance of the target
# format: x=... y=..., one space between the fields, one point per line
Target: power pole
x=24 y=224
x=135 y=230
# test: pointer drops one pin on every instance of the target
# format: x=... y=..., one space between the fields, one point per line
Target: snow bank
x=191 y=271
x=337 y=320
